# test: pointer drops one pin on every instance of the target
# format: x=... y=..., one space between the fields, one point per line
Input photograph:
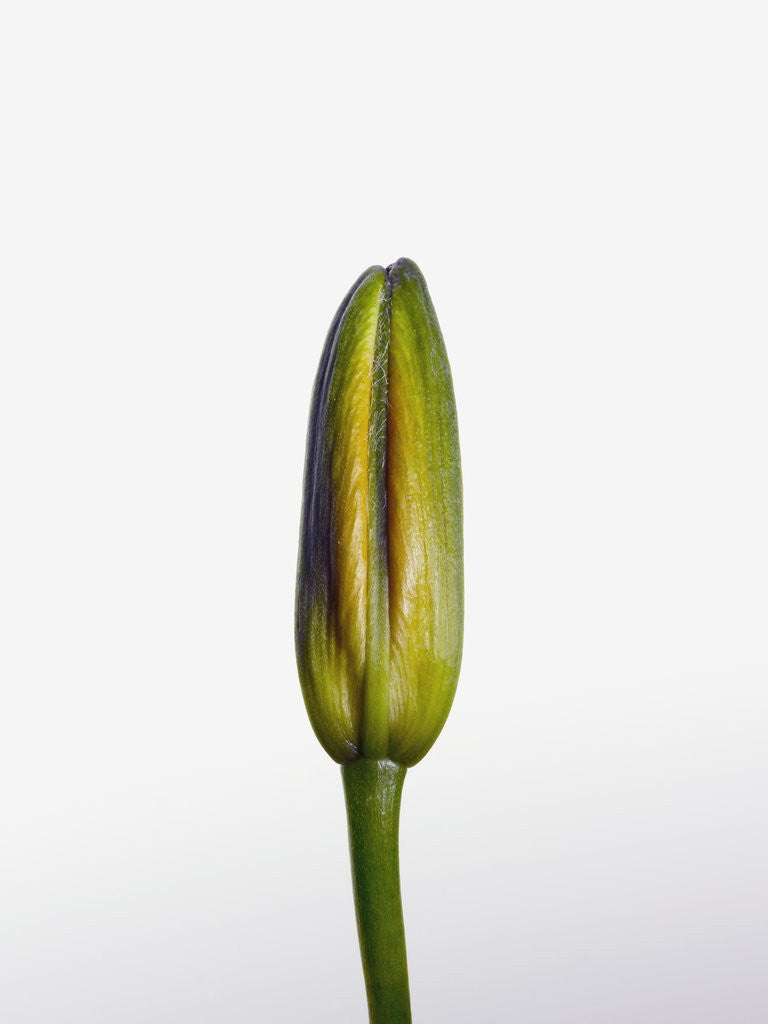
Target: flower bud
x=379 y=599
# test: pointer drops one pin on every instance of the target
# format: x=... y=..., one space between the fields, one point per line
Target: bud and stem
x=379 y=597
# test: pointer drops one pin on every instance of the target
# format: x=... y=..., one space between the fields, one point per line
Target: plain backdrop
x=188 y=190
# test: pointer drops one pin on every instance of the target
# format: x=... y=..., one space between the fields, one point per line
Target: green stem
x=372 y=790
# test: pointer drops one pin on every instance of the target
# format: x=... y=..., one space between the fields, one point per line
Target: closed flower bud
x=379 y=603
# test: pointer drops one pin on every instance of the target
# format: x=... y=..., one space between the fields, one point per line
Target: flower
x=379 y=597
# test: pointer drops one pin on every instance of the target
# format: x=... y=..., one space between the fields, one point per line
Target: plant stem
x=372 y=790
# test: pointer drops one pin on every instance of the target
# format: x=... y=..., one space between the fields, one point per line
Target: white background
x=188 y=190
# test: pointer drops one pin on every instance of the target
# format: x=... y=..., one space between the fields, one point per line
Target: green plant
x=379 y=597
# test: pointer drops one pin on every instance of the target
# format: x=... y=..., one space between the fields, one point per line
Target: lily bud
x=379 y=602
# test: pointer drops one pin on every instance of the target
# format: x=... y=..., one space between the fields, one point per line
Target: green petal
x=332 y=593
x=424 y=522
